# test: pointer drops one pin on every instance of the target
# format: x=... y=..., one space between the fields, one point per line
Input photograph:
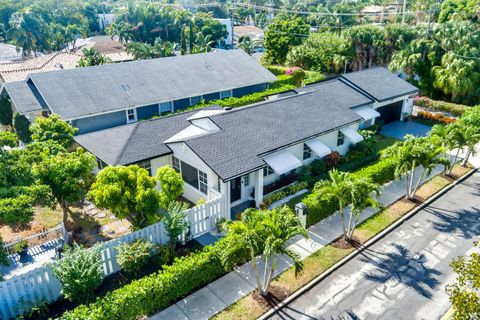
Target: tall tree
x=53 y=128
x=171 y=184
x=28 y=33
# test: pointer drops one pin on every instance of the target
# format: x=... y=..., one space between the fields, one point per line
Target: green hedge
x=282 y=193
x=321 y=206
x=436 y=105
x=157 y=291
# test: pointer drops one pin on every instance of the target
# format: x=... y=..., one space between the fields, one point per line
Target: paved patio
x=221 y=293
x=399 y=129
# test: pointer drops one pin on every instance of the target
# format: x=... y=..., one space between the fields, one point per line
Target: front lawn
x=247 y=308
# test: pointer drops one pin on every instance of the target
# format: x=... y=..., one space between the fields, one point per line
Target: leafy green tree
x=8 y=139
x=66 y=174
x=283 y=34
x=464 y=292
x=176 y=223
x=28 y=33
x=265 y=233
x=18 y=210
x=132 y=257
x=171 y=184
x=142 y=51
x=80 y=272
x=92 y=58
x=459 y=10
x=367 y=44
x=246 y=45
x=127 y=191
x=471 y=118
x=53 y=128
x=6 y=113
x=411 y=153
x=338 y=16
x=21 y=125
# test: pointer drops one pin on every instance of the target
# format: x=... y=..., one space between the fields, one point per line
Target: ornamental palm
x=265 y=233
x=362 y=192
x=471 y=139
x=27 y=32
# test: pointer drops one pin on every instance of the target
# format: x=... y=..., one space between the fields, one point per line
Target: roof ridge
x=124 y=147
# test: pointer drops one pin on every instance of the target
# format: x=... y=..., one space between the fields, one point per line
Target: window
x=340 y=138
x=307 y=152
x=203 y=182
x=225 y=94
x=195 y=100
x=131 y=115
x=267 y=171
x=190 y=174
x=176 y=164
x=101 y=164
x=145 y=165
x=219 y=185
x=165 y=107
x=246 y=180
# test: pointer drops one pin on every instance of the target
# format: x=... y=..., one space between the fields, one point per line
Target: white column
x=226 y=194
x=258 y=187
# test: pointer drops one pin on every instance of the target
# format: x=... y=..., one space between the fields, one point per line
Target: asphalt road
x=403 y=276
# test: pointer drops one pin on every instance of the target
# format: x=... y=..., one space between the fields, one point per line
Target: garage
x=390 y=113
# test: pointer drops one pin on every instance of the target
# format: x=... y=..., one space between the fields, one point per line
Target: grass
x=48 y=218
x=384 y=142
x=317 y=263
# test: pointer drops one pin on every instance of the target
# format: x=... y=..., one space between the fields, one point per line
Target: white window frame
x=267 y=171
x=307 y=150
x=199 y=101
x=176 y=164
x=246 y=180
x=340 y=137
x=135 y=119
x=202 y=182
x=160 y=107
x=226 y=94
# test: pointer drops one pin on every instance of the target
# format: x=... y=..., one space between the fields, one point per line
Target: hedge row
x=157 y=291
x=282 y=193
x=321 y=206
x=442 y=106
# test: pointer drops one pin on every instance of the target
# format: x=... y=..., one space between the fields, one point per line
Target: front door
x=235 y=189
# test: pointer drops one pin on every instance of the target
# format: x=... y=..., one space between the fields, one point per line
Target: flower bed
x=286 y=191
x=442 y=106
x=433 y=118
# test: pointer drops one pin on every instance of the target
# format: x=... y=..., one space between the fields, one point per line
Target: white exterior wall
x=185 y=154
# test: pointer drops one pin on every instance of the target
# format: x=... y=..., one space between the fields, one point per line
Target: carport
x=390 y=113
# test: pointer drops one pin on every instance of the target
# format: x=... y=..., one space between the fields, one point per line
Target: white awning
x=320 y=149
x=282 y=162
x=367 y=113
x=352 y=135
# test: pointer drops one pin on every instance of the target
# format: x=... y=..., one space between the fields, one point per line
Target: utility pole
x=404 y=10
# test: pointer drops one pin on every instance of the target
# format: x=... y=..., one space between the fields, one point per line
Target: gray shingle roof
x=22 y=97
x=380 y=83
x=86 y=91
x=254 y=130
x=136 y=141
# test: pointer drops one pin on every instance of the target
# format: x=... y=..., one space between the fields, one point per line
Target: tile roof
x=17 y=71
x=380 y=83
x=92 y=90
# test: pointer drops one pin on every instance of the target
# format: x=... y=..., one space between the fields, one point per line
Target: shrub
x=3 y=253
x=435 y=117
x=17 y=210
x=6 y=114
x=277 y=70
x=157 y=291
x=163 y=254
x=434 y=105
x=133 y=256
x=22 y=127
x=171 y=184
x=333 y=159
x=8 y=139
x=282 y=193
x=313 y=77
x=53 y=128
x=79 y=272
x=379 y=172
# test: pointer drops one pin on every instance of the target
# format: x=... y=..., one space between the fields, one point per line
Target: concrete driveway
x=403 y=276
x=399 y=129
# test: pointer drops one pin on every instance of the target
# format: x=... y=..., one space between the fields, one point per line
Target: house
x=238 y=154
x=19 y=71
x=109 y=46
x=380 y=14
x=10 y=53
x=106 y=96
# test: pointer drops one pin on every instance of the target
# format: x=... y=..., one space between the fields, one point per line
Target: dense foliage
x=54 y=129
x=441 y=106
x=6 y=113
x=8 y=139
x=132 y=257
x=171 y=184
x=21 y=126
x=80 y=272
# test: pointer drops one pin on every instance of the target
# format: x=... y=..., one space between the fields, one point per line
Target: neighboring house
x=254 y=33
x=380 y=14
x=19 y=71
x=228 y=25
x=238 y=153
x=100 y=97
x=9 y=53
x=105 y=19
x=109 y=46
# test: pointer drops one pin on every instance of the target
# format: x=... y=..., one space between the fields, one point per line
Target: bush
x=3 y=254
x=132 y=257
x=163 y=254
x=6 y=114
x=157 y=291
x=8 y=139
x=16 y=210
x=312 y=77
x=435 y=117
x=379 y=172
x=280 y=194
x=22 y=127
x=333 y=159
x=435 y=105
x=53 y=128
x=79 y=272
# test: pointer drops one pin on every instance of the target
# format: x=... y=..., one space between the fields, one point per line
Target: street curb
x=367 y=244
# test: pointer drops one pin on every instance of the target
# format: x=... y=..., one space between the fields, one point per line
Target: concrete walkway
x=223 y=292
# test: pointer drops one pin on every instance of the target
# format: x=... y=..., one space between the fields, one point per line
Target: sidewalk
x=223 y=292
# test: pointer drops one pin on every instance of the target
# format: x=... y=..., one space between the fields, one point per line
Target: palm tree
x=472 y=137
x=92 y=58
x=27 y=33
x=246 y=45
x=265 y=233
x=442 y=135
x=363 y=191
x=203 y=43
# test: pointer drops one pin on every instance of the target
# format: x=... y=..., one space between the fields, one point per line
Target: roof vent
x=227 y=108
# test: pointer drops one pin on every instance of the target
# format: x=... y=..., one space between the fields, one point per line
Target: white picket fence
x=20 y=293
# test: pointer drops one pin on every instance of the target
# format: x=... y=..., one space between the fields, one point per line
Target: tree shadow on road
x=289 y=313
x=466 y=223
x=400 y=266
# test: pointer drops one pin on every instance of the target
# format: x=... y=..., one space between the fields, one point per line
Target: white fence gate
x=20 y=293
